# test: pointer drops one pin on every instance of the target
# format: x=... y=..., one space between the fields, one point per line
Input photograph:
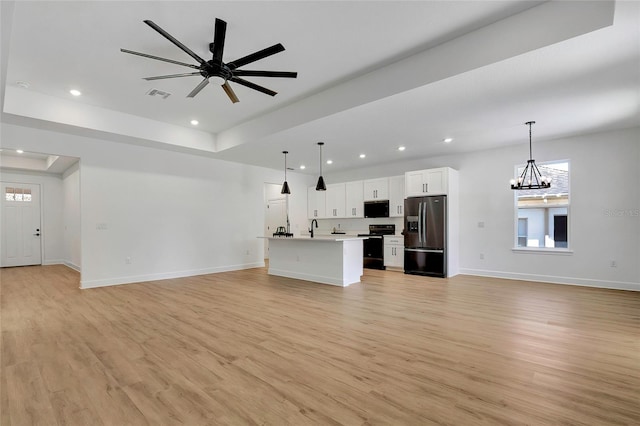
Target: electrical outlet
x=247 y=253
x=127 y=260
x=613 y=264
x=480 y=224
x=481 y=256
x=101 y=226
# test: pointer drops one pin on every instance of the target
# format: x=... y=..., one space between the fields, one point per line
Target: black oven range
x=373 y=247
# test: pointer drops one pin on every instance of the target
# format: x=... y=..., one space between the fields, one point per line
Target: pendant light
x=285 y=185
x=321 y=186
x=530 y=178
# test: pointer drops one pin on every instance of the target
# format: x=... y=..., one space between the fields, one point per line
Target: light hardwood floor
x=247 y=348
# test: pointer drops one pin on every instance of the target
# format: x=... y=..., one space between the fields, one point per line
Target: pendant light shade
x=530 y=178
x=285 y=185
x=320 y=185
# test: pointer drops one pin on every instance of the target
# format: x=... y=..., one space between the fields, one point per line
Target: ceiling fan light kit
x=530 y=178
x=215 y=68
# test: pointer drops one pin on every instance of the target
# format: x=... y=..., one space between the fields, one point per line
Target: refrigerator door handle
x=424 y=223
x=424 y=250
x=419 y=223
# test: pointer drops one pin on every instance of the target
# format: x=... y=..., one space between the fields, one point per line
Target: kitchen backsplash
x=356 y=226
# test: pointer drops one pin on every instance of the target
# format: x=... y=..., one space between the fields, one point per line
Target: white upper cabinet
x=354 y=199
x=335 y=201
x=426 y=182
x=316 y=203
x=396 y=196
x=376 y=189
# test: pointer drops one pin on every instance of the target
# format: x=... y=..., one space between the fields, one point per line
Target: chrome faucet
x=311 y=230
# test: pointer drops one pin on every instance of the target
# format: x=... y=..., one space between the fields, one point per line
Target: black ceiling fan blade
x=217 y=47
x=253 y=73
x=171 y=61
x=253 y=86
x=256 y=56
x=230 y=93
x=160 y=77
x=174 y=41
x=198 y=88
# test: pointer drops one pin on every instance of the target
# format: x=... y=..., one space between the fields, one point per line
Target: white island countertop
x=327 y=259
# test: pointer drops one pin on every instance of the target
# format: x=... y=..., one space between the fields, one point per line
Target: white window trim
x=562 y=251
x=543 y=250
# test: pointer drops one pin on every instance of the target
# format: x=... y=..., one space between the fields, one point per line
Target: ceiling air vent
x=160 y=93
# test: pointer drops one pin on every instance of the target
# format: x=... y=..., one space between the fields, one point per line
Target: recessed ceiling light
x=302 y=167
x=19 y=151
x=75 y=92
x=22 y=84
x=447 y=140
x=362 y=155
x=329 y=161
x=195 y=122
x=401 y=148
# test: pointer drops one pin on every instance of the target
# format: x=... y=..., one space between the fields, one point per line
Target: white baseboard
x=617 y=285
x=165 y=275
x=62 y=262
x=308 y=277
x=72 y=266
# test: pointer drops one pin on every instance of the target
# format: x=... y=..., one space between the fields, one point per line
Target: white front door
x=21 y=226
x=276 y=216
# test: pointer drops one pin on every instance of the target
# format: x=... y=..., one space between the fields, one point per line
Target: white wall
x=177 y=214
x=51 y=194
x=171 y=214
x=71 y=216
x=604 y=223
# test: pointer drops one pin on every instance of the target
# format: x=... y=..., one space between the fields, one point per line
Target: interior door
x=21 y=225
x=276 y=216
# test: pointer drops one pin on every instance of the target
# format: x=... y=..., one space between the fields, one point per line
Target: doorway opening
x=276 y=212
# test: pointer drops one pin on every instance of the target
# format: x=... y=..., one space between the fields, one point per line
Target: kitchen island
x=335 y=260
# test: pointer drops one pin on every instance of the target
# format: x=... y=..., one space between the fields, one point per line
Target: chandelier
x=531 y=178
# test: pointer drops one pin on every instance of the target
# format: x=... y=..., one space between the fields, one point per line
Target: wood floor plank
x=29 y=402
x=247 y=348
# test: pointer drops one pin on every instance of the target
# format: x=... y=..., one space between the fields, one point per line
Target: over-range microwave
x=376 y=208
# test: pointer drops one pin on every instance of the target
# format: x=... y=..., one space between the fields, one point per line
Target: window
x=17 y=194
x=542 y=215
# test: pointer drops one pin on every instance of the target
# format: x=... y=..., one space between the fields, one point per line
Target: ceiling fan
x=215 y=67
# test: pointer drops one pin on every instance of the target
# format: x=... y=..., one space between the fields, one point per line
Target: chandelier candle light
x=321 y=186
x=530 y=178
x=285 y=185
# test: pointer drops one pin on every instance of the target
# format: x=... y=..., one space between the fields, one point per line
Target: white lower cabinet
x=394 y=251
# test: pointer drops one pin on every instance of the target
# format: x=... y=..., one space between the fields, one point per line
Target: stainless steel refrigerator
x=425 y=236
